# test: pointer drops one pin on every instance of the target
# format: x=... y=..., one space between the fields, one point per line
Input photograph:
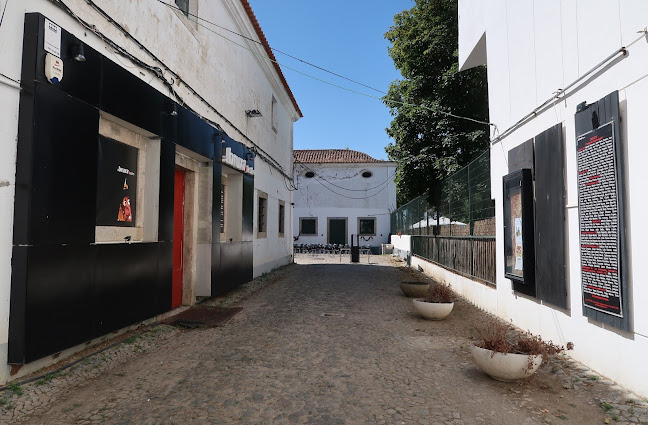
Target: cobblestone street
x=318 y=342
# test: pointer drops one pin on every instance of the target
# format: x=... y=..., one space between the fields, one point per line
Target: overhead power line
x=271 y=48
x=159 y=73
x=382 y=99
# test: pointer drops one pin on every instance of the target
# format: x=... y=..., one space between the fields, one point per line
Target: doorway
x=337 y=231
x=178 y=238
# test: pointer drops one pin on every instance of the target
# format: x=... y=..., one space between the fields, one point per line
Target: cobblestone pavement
x=318 y=342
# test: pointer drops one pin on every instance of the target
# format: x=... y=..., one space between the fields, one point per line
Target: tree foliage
x=429 y=145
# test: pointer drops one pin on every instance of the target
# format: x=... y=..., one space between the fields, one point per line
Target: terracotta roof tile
x=316 y=156
x=269 y=52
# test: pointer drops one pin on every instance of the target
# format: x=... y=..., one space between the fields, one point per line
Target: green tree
x=428 y=144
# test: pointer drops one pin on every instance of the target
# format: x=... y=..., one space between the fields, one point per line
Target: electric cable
x=4 y=9
x=159 y=73
x=382 y=99
x=10 y=79
x=341 y=187
x=170 y=6
x=351 y=197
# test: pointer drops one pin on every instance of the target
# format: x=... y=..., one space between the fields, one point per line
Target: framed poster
x=598 y=207
x=116 y=184
x=519 y=254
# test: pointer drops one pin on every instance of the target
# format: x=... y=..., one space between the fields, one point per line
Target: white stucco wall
x=226 y=75
x=533 y=49
x=340 y=191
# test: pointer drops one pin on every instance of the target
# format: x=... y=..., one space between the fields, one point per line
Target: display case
x=519 y=255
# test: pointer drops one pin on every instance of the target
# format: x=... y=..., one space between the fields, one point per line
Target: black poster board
x=599 y=220
x=116 y=183
x=519 y=253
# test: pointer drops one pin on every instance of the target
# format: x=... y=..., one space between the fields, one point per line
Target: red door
x=178 y=233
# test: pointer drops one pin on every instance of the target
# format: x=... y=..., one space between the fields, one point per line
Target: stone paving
x=319 y=342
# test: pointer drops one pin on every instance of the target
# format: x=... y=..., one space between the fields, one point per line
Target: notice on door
x=599 y=220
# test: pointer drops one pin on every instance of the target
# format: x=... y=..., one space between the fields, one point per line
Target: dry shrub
x=501 y=338
x=439 y=293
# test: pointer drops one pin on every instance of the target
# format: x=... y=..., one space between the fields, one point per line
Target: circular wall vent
x=309 y=174
x=367 y=174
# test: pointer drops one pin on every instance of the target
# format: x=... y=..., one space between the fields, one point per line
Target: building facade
x=566 y=83
x=342 y=193
x=140 y=147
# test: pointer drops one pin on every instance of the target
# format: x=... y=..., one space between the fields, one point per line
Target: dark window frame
x=360 y=220
x=301 y=226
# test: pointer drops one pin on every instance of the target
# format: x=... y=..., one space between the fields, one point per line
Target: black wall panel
x=593 y=116
x=247 y=263
x=164 y=275
x=18 y=304
x=129 y=98
x=195 y=134
x=216 y=269
x=65 y=289
x=64 y=176
x=21 y=228
x=231 y=268
x=521 y=157
x=58 y=298
x=167 y=182
x=125 y=285
x=248 y=207
x=550 y=276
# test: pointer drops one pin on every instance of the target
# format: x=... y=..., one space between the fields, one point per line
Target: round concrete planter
x=505 y=367
x=433 y=311
x=414 y=289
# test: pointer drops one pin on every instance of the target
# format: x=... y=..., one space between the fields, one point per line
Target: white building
x=144 y=163
x=545 y=58
x=342 y=193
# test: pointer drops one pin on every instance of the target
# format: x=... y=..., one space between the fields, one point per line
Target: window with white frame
x=275 y=120
x=282 y=218
x=262 y=215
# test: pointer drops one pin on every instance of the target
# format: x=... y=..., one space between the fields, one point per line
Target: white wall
x=533 y=49
x=229 y=77
x=339 y=191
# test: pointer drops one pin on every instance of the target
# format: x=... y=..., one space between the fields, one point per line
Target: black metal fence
x=454 y=225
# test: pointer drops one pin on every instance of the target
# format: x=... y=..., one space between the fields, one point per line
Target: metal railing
x=453 y=225
x=471 y=256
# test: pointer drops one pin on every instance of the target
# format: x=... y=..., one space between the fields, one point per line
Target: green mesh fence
x=460 y=206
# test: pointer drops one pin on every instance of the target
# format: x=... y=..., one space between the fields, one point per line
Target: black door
x=337 y=231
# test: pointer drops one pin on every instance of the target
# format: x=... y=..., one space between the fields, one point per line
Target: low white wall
x=595 y=345
x=402 y=245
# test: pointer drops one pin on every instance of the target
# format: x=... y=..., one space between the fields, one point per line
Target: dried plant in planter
x=439 y=293
x=501 y=338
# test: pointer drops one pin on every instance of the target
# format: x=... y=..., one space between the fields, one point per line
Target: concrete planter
x=505 y=367
x=414 y=289
x=433 y=311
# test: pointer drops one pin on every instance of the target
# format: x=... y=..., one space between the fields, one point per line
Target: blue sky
x=346 y=37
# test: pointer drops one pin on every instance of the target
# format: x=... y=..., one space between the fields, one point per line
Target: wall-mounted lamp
x=78 y=53
x=171 y=108
x=253 y=113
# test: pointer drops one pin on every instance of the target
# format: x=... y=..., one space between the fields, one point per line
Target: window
x=274 y=114
x=366 y=174
x=282 y=218
x=308 y=226
x=262 y=216
x=183 y=5
x=367 y=226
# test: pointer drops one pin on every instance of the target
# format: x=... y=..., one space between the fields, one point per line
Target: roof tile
x=317 y=156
